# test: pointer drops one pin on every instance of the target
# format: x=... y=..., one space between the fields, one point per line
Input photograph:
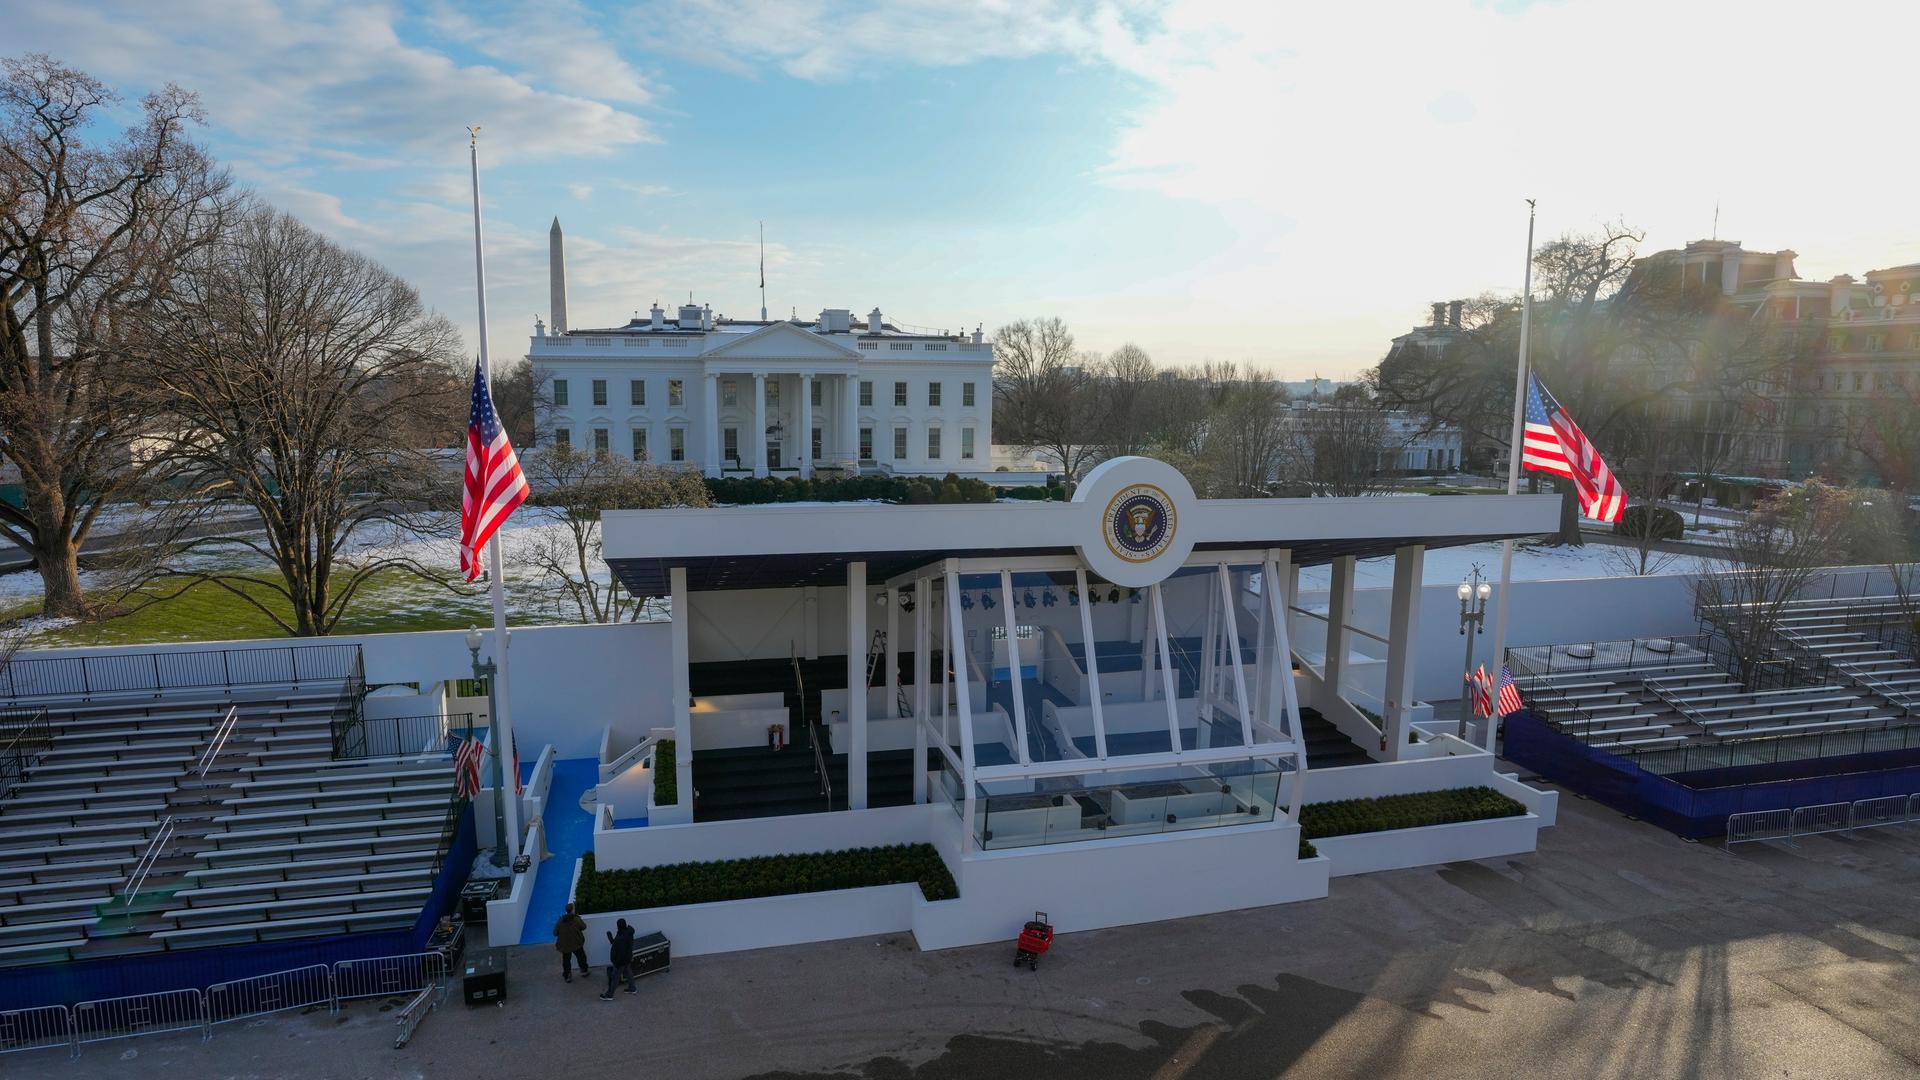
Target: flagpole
x=1513 y=467
x=506 y=806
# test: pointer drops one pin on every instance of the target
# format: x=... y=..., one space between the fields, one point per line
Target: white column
x=1403 y=623
x=857 y=685
x=1167 y=683
x=922 y=639
x=891 y=709
x=710 y=442
x=682 y=614
x=1231 y=627
x=1021 y=752
x=956 y=658
x=1277 y=566
x=806 y=425
x=850 y=433
x=1339 y=613
x=759 y=423
x=1093 y=664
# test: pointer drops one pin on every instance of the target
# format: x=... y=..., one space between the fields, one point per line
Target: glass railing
x=1099 y=806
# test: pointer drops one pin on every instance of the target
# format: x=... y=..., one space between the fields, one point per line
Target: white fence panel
x=1886 y=810
x=1824 y=818
x=34 y=1029
x=1759 y=825
x=296 y=988
x=381 y=976
x=140 y=1014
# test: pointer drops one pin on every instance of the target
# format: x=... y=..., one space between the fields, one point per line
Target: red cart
x=1034 y=941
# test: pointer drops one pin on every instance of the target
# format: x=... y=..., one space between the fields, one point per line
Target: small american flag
x=495 y=485
x=1510 y=702
x=1555 y=444
x=466 y=767
x=1482 y=691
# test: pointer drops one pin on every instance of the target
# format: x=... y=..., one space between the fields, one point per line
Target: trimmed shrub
x=666 y=777
x=770 y=875
x=754 y=491
x=1349 y=816
x=1665 y=524
x=1307 y=850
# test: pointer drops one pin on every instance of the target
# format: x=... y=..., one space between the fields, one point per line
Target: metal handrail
x=814 y=733
x=220 y=736
x=156 y=672
x=147 y=860
x=13 y=756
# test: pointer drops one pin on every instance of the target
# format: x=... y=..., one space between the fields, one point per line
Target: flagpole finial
x=473 y=135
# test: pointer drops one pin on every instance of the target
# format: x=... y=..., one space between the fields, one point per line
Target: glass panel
x=1268 y=672
x=1059 y=694
x=1097 y=806
x=992 y=669
x=1131 y=693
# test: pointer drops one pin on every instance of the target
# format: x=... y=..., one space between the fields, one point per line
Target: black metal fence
x=157 y=672
x=23 y=733
x=392 y=736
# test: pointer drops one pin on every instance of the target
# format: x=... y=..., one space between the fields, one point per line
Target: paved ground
x=1617 y=951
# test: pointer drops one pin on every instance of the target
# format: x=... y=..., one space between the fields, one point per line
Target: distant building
x=765 y=397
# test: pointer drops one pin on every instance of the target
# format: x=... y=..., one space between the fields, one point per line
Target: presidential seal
x=1140 y=523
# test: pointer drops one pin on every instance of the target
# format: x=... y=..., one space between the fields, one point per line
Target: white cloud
x=557 y=43
x=332 y=80
x=580 y=192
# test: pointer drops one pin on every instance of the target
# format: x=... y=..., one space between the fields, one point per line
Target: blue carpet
x=569 y=836
x=630 y=823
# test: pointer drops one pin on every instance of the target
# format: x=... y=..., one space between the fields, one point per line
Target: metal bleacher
x=154 y=816
x=1841 y=677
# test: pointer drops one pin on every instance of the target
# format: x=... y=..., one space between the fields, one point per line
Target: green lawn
x=393 y=601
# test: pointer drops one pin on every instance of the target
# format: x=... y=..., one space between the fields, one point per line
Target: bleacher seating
x=277 y=838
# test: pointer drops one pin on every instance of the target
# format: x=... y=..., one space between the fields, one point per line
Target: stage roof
x=798 y=544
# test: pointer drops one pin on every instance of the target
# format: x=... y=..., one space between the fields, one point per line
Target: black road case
x=485 y=978
x=473 y=900
x=652 y=953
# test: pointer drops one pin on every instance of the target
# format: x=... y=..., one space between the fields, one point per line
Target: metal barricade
x=410 y=1017
x=382 y=976
x=140 y=1014
x=295 y=988
x=35 y=1029
x=1824 y=818
x=1886 y=810
x=1759 y=825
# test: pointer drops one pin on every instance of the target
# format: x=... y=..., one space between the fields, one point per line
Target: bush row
x=753 y=491
x=1349 y=816
x=666 y=776
x=771 y=875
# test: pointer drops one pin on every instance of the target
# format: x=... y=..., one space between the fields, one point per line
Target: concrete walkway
x=1616 y=952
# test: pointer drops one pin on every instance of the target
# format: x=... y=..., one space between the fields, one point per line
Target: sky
x=1278 y=184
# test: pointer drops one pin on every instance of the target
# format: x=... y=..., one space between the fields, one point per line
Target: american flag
x=1510 y=702
x=518 y=789
x=1482 y=691
x=1555 y=444
x=466 y=767
x=495 y=484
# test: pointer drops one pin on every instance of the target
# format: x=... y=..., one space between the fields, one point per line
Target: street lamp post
x=1473 y=593
x=486 y=672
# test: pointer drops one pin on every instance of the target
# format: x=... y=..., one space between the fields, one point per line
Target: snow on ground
x=1445 y=566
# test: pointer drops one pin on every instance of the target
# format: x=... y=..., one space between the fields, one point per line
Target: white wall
x=507 y=916
x=764 y=922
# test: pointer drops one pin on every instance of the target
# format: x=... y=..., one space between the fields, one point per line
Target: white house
x=767 y=397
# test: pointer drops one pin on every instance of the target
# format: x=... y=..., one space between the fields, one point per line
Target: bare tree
x=1046 y=395
x=1126 y=381
x=1246 y=430
x=89 y=234
x=304 y=381
x=572 y=488
x=1743 y=590
x=1336 y=448
x=1649 y=448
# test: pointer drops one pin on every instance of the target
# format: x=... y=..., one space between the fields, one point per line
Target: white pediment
x=784 y=341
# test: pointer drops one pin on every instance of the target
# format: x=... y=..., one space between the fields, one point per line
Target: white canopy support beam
x=1021 y=752
x=1093 y=665
x=857 y=685
x=1403 y=623
x=922 y=724
x=1167 y=683
x=1239 y=669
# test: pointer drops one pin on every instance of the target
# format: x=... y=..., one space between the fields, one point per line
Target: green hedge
x=666 y=775
x=1307 y=850
x=754 y=491
x=771 y=875
x=1349 y=816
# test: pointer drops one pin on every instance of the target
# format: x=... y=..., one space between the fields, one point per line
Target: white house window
x=869 y=345
x=866 y=444
x=560 y=392
x=933 y=395
x=773 y=394
x=730 y=444
x=966 y=444
x=866 y=395
x=815 y=392
x=674 y=343
x=816 y=443
x=899 y=444
x=639 y=444
x=600 y=392
x=933 y=443
x=900 y=346
x=900 y=394
x=676 y=394
x=563 y=438
x=966 y=395
x=729 y=393
x=600 y=441
x=637 y=392
x=936 y=347
x=677 y=444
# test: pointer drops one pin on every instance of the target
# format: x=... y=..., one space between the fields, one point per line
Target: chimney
x=874 y=321
x=557 y=276
x=976 y=333
x=836 y=321
x=1453 y=313
x=1783 y=264
x=1439 y=314
x=659 y=317
x=539 y=328
x=706 y=316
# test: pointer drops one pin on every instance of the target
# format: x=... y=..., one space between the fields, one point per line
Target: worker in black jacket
x=619 y=959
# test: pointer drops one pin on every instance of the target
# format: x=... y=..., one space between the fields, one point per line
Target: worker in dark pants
x=570 y=938
x=620 y=959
